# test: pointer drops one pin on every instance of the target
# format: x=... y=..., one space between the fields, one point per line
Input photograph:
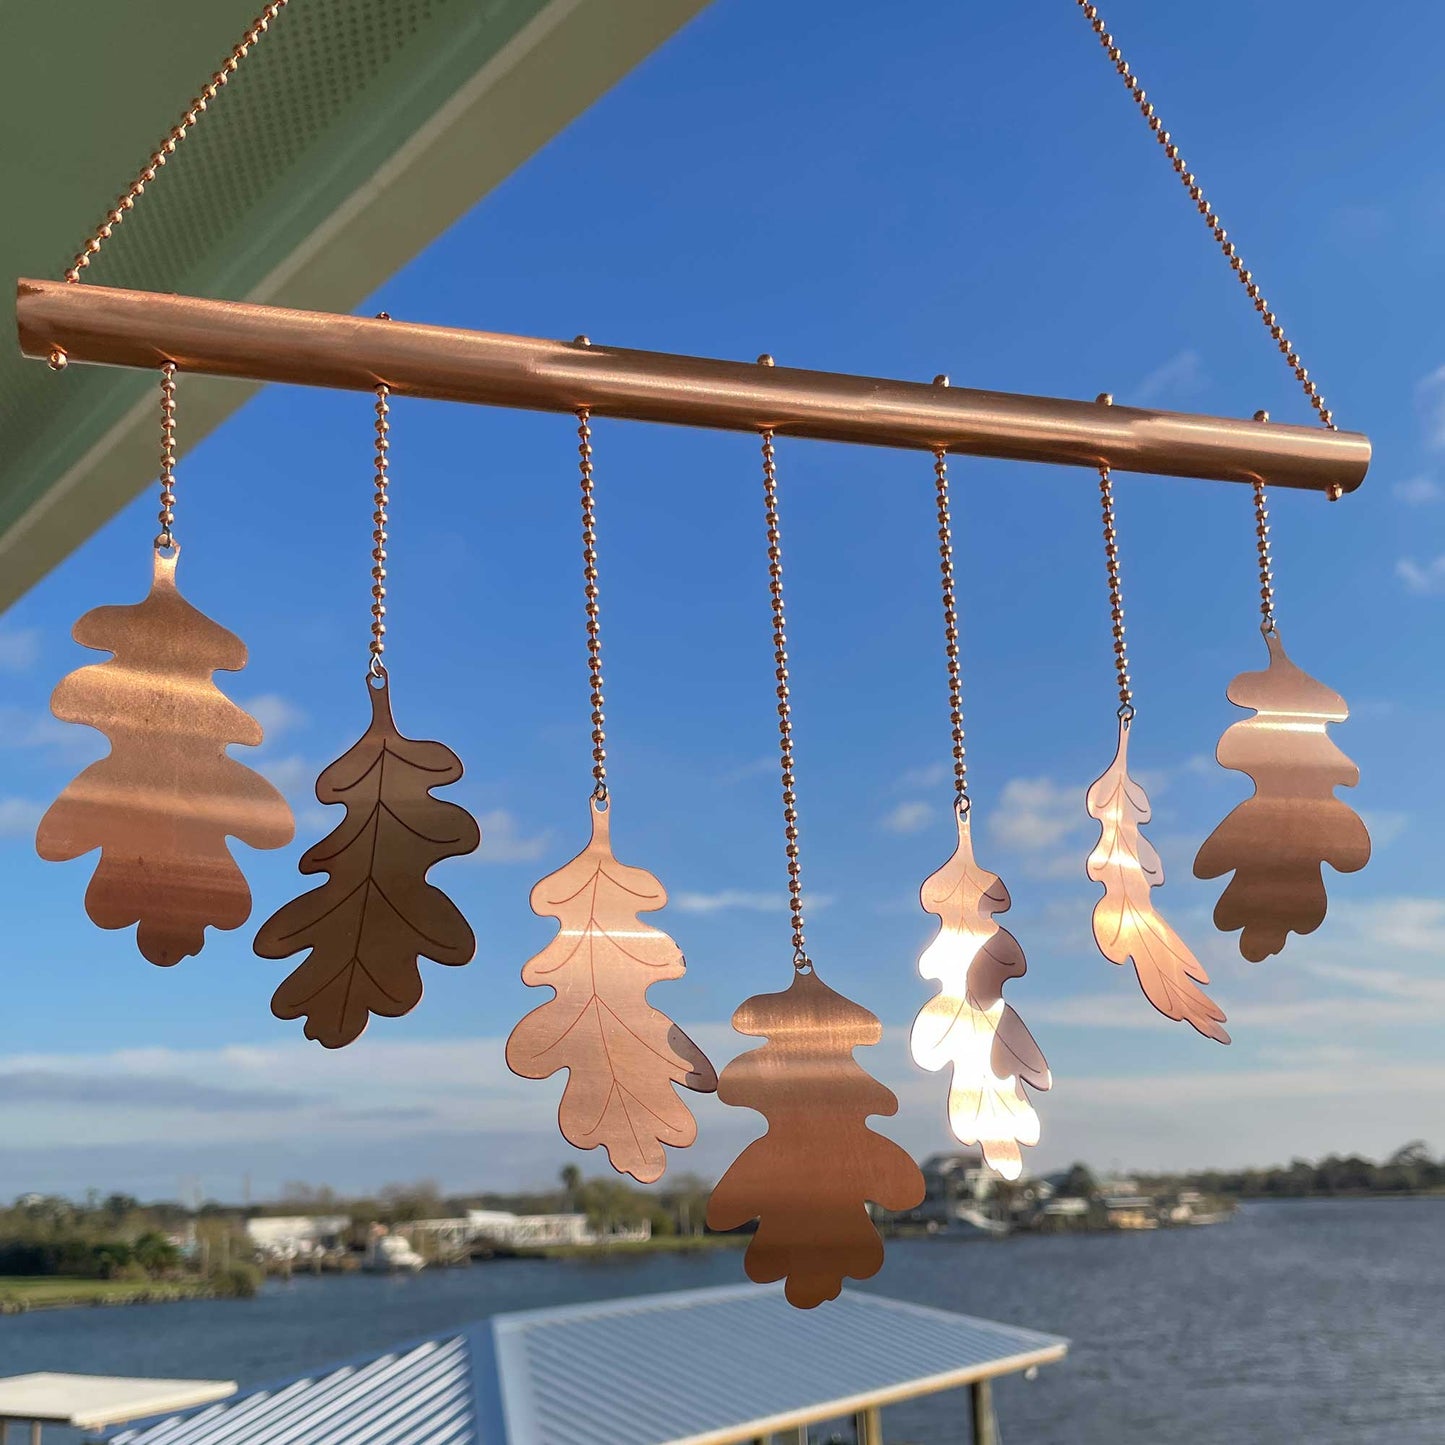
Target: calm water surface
x=1315 y=1321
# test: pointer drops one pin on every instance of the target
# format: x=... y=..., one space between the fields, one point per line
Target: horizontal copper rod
x=310 y=348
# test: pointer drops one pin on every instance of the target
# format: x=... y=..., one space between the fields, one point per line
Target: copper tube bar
x=310 y=348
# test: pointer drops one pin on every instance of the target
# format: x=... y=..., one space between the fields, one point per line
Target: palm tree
x=572 y=1183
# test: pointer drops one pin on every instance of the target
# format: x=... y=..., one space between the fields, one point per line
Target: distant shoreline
x=22 y=1294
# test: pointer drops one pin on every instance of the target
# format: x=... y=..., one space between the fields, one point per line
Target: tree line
x=117 y=1237
x=1411 y=1169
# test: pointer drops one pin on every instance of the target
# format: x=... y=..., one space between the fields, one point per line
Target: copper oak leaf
x=376 y=915
x=1126 y=926
x=966 y=1023
x=161 y=805
x=622 y=1056
x=809 y=1179
x=1276 y=842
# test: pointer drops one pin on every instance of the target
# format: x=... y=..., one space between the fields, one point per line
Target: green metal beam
x=354 y=134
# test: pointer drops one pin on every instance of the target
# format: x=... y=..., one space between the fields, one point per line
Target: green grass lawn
x=34 y=1291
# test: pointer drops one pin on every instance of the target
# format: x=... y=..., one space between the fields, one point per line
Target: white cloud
x=1035 y=815
x=1384 y=825
x=275 y=714
x=43 y=731
x=1180 y=376
x=1401 y=1000
x=728 y=898
x=931 y=776
x=1430 y=400
x=292 y=775
x=758 y=767
x=1423 y=581
x=746 y=901
x=1416 y=925
x=19 y=647
x=504 y=842
x=908 y=818
x=19 y=817
x=1417 y=491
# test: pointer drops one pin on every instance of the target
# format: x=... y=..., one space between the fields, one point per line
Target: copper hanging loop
x=165 y=539
x=381 y=501
x=961 y=803
x=594 y=629
x=1116 y=601
x=801 y=961
x=1201 y=204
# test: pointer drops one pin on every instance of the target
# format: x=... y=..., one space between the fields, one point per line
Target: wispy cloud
x=729 y=898
x=276 y=715
x=1035 y=815
x=19 y=817
x=293 y=775
x=1427 y=580
x=504 y=842
x=44 y=732
x=741 y=772
x=1417 y=491
x=33 y=1087
x=927 y=777
x=1384 y=825
x=19 y=647
x=746 y=901
x=1182 y=375
x=1430 y=402
x=908 y=818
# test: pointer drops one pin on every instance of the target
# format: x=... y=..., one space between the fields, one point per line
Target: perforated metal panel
x=304 y=133
x=322 y=101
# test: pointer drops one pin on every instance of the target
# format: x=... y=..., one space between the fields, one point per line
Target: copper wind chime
x=162 y=804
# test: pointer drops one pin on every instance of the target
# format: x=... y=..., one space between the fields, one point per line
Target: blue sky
x=889 y=190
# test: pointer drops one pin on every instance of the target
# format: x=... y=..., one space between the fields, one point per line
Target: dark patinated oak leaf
x=376 y=916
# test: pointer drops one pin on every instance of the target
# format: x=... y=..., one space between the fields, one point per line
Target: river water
x=1310 y=1321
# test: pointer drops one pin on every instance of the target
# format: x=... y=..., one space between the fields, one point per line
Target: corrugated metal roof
x=420 y=1396
x=726 y=1364
x=701 y=1367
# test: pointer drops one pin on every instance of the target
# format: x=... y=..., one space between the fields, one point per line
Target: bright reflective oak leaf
x=809 y=1179
x=967 y=1024
x=1126 y=926
x=161 y=805
x=368 y=925
x=1276 y=842
x=622 y=1056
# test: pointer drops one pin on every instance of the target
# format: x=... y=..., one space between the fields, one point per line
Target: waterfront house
x=297 y=1236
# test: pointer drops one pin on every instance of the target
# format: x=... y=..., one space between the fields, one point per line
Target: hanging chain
x=1116 y=600
x=164 y=538
x=1186 y=176
x=380 y=502
x=785 y=710
x=178 y=133
x=950 y=633
x=594 y=631
x=1266 y=562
